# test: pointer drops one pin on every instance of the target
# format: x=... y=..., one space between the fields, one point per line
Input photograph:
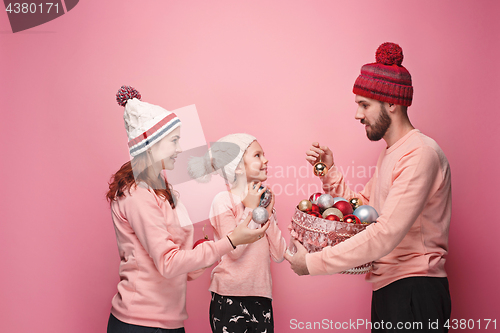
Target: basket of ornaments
x=327 y=221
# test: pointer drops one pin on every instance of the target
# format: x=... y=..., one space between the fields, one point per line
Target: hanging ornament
x=320 y=168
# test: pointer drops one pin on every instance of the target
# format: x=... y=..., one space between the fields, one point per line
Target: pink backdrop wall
x=281 y=70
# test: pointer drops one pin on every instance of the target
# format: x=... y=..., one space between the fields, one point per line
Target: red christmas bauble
x=313 y=213
x=198 y=242
x=315 y=208
x=332 y=217
x=344 y=206
x=352 y=219
x=314 y=197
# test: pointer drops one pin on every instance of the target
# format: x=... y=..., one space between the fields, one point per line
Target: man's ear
x=390 y=107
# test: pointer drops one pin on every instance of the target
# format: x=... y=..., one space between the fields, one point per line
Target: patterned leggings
x=237 y=314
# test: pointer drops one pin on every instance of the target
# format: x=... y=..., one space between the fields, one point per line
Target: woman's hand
x=252 y=200
x=315 y=152
x=243 y=235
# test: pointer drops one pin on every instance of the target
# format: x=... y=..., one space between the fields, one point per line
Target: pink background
x=281 y=70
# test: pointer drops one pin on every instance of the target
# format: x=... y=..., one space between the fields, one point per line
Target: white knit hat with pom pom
x=223 y=157
x=145 y=123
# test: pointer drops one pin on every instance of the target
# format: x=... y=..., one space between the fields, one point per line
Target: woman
x=153 y=230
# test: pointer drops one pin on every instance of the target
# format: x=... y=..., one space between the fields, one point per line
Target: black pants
x=414 y=304
x=117 y=326
x=238 y=314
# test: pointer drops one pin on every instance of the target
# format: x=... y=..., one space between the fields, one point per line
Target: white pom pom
x=199 y=168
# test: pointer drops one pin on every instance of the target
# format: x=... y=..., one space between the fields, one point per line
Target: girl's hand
x=315 y=152
x=243 y=235
x=252 y=200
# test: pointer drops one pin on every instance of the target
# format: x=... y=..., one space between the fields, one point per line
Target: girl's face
x=255 y=163
x=166 y=149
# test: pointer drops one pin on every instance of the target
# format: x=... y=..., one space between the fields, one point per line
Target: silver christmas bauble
x=366 y=213
x=260 y=215
x=325 y=201
x=337 y=199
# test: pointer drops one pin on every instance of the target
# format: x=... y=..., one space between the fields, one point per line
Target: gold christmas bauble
x=305 y=205
x=355 y=203
x=320 y=169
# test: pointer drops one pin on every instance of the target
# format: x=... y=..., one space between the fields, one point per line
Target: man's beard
x=380 y=127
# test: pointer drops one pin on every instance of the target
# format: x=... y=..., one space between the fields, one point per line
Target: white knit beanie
x=223 y=157
x=145 y=123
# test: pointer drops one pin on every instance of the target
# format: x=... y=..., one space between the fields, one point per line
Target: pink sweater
x=245 y=271
x=155 y=247
x=411 y=191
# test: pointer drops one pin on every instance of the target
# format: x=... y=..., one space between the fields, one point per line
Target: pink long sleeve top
x=411 y=191
x=246 y=270
x=155 y=247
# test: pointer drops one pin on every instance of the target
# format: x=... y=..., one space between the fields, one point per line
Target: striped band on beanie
x=145 y=123
x=386 y=80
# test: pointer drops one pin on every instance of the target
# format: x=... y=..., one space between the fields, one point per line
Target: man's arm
x=414 y=180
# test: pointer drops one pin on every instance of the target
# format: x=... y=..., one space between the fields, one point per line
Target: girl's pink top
x=245 y=271
x=411 y=191
x=155 y=247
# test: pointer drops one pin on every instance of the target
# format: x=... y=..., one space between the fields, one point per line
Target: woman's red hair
x=124 y=180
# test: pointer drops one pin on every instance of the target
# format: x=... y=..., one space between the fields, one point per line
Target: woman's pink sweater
x=245 y=271
x=411 y=191
x=155 y=247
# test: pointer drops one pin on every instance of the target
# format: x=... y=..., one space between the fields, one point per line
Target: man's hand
x=298 y=260
x=316 y=151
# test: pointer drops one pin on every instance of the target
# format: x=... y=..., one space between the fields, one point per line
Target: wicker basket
x=316 y=233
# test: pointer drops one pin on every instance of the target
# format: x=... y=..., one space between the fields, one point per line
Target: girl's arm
x=224 y=221
x=277 y=244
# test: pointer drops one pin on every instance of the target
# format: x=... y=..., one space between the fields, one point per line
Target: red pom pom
x=125 y=93
x=389 y=54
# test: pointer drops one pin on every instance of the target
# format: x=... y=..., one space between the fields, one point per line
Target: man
x=411 y=191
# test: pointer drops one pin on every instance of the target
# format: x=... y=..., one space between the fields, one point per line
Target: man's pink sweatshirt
x=411 y=191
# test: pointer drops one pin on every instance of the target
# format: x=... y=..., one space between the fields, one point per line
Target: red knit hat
x=386 y=80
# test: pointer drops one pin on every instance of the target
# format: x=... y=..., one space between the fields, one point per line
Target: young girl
x=241 y=283
x=153 y=230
